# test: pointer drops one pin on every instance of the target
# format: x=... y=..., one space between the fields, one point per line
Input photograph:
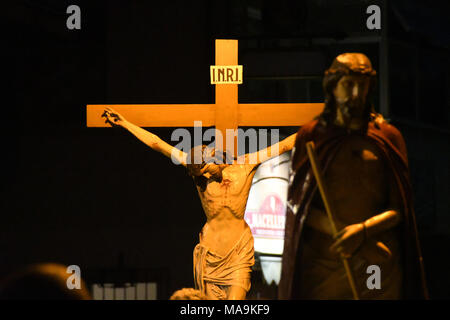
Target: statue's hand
x=348 y=240
x=113 y=117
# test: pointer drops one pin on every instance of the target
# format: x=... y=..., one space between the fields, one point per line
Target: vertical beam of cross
x=225 y=113
x=226 y=94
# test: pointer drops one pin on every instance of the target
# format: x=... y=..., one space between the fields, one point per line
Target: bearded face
x=350 y=95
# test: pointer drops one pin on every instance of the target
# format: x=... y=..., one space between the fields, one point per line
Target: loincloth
x=215 y=274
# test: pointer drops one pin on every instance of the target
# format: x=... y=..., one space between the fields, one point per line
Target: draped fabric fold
x=215 y=274
x=302 y=188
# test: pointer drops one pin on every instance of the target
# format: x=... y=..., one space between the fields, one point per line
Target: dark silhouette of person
x=43 y=281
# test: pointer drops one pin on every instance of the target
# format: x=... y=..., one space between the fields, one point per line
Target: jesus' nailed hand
x=223 y=188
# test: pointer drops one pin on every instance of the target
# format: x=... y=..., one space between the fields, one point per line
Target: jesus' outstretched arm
x=153 y=141
x=270 y=152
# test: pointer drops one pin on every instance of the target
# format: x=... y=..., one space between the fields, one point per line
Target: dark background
x=100 y=199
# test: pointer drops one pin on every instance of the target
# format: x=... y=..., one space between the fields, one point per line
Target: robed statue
x=365 y=168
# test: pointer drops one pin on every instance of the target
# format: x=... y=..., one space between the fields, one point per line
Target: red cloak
x=303 y=187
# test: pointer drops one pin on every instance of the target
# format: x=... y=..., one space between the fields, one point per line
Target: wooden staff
x=323 y=192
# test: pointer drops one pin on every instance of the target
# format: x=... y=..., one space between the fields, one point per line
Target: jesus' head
x=206 y=163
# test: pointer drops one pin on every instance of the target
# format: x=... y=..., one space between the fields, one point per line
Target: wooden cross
x=226 y=113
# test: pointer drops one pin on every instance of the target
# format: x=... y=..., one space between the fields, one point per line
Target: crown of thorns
x=351 y=63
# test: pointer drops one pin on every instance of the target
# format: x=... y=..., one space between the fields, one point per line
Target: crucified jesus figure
x=225 y=254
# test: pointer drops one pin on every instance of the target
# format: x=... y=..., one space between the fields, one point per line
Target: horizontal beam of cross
x=248 y=115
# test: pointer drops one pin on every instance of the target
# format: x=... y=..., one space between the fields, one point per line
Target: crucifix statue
x=225 y=254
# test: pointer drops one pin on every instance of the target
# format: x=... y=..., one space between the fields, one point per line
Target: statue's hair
x=188 y=294
x=332 y=76
x=195 y=165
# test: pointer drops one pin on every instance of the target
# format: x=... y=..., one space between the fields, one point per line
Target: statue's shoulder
x=306 y=132
x=388 y=131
